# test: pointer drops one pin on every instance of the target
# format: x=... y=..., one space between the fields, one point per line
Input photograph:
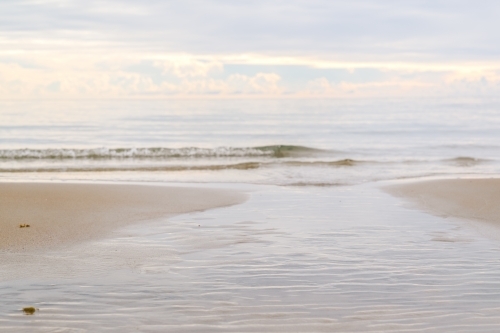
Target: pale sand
x=63 y=214
x=471 y=199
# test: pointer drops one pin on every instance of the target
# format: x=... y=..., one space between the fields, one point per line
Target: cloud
x=93 y=77
x=319 y=86
x=263 y=83
x=109 y=48
x=187 y=67
x=358 y=29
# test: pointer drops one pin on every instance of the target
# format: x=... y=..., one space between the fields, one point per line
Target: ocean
x=317 y=247
x=273 y=142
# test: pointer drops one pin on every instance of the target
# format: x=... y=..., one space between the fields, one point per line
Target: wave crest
x=276 y=151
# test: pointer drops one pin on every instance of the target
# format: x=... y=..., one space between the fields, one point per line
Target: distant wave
x=160 y=159
x=240 y=166
x=465 y=161
x=173 y=168
x=337 y=163
x=276 y=151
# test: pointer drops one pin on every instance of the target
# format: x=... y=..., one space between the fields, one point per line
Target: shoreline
x=66 y=214
x=473 y=199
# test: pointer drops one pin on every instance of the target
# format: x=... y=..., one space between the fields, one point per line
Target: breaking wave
x=274 y=151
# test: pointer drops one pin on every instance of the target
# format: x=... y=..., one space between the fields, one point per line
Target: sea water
x=317 y=247
x=280 y=142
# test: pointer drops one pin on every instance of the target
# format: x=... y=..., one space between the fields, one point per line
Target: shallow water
x=289 y=260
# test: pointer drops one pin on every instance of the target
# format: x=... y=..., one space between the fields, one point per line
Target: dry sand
x=471 y=199
x=63 y=214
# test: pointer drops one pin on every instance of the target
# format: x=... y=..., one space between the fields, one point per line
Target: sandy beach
x=64 y=214
x=470 y=199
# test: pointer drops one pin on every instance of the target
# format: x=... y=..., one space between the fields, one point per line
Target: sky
x=60 y=49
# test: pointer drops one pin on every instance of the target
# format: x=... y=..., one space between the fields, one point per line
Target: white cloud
x=187 y=67
x=357 y=30
x=98 y=77
x=319 y=86
x=265 y=83
x=63 y=48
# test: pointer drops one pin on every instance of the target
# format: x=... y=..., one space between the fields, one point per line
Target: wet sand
x=470 y=199
x=64 y=214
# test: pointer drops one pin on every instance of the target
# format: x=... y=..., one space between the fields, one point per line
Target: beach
x=346 y=258
x=39 y=216
x=467 y=199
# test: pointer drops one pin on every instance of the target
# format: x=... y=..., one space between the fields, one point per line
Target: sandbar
x=469 y=199
x=61 y=214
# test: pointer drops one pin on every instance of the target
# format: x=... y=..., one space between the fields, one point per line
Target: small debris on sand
x=24 y=226
x=29 y=310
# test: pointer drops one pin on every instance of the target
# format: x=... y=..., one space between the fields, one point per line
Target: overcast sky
x=155 y=48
